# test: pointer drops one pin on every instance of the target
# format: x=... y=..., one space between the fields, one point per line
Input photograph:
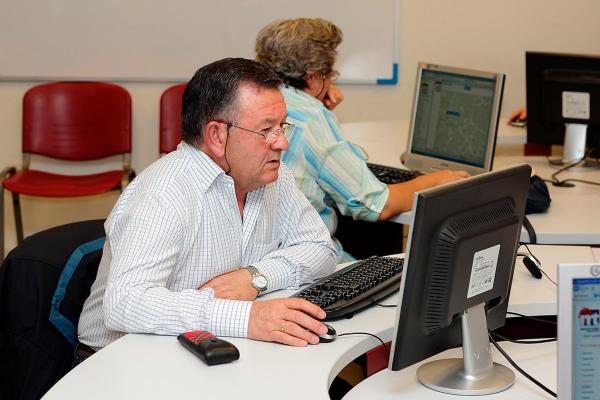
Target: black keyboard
x=390 y=175
x=355 y=286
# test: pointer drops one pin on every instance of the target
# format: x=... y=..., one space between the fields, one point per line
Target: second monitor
x=563 y=101
x=454 y=119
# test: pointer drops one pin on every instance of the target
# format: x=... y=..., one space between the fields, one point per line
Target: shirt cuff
x=229 y=318
x=370 y=209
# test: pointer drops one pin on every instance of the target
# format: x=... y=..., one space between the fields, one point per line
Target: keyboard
x=390 y=175
x=355 y=286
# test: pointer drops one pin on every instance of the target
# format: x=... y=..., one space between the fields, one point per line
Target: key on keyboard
x=390 y=175
x=355 y=286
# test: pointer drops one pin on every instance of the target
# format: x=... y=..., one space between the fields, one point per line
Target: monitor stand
x=476 y=373
x=574 y=147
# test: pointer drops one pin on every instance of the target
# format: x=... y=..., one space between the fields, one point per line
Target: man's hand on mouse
x=290 y=321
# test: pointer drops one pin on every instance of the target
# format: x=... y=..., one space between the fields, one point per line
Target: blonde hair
x=295 y=48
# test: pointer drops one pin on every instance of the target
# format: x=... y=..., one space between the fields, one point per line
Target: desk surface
x=538 y=360
x=567 y=221
x=158 y=367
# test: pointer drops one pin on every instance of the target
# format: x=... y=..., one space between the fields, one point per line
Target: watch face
x=260 y=282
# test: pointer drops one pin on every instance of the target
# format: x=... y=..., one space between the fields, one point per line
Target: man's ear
x=215 y=138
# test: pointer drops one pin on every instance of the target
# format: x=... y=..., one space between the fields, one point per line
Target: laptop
x=454 y=120
x=578 y=331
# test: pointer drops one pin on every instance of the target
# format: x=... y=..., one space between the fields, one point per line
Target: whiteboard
x=149 y=40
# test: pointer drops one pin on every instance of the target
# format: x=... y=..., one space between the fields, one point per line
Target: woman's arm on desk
x=401 y=194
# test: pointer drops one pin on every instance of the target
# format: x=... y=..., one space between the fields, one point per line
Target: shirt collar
x=301 y=96
x=208 y=170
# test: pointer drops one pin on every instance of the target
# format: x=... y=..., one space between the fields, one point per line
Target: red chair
x=170 y=118
x=73 y=121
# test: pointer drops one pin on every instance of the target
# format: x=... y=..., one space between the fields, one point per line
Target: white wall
x=480 y=34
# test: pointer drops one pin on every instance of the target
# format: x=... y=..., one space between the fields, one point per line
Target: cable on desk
x=541 y=269
x=515 y=366
x=387 y=353
x=566 y=182
x=557 y=182
x=530 y=230
x=523 y=341
x=543 y=321
x=581 y=181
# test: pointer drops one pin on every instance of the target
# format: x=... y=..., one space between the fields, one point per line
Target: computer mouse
x=328 y=337
x=518 y=122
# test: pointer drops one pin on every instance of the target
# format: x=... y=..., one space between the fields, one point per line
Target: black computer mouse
x=328 y=337
x=518 y=122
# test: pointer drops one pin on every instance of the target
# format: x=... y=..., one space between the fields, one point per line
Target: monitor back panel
x=454 y=119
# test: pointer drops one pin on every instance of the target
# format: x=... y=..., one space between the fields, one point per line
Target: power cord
x=556 y=181
x=580 y=181
x=387 y=353
x=523 y=341
x=543 y=321
x=515 y=366
x=567 y=182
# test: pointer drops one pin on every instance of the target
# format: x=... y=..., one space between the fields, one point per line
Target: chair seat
x=38 y=183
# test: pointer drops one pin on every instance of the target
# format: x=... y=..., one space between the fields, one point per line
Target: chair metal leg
x=18 y=218
x=5 y=173
x=1 y=223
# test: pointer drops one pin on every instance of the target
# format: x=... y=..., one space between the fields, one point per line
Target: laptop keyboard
x=389 y=175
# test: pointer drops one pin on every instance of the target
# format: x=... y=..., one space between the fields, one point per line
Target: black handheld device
x=533 y=266
x=208 y=347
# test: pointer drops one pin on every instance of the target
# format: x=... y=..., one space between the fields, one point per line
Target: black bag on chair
x=56 y=263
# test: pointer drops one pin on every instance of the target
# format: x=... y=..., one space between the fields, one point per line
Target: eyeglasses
x=270 y=135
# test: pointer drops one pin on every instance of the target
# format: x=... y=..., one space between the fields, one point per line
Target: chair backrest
x=77 y=120
x=170 y=118
x=34 y=354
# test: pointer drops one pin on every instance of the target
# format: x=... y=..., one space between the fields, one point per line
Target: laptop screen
x=454 y=115
x=585 y=326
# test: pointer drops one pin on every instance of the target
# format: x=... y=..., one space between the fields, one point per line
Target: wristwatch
x=259 y=281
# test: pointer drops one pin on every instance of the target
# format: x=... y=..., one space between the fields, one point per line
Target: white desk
x=596 y=252
x=158 y=367
x=538 y=360
x=572 y=217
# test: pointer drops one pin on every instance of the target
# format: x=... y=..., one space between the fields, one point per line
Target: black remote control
x=208 y=347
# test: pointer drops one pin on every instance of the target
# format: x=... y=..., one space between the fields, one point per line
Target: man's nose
x=281 y=143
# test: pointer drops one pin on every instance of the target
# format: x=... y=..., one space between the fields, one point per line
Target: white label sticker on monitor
x=576 y=105
x=483 y=271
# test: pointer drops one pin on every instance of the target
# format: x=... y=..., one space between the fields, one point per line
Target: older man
x=200 y=233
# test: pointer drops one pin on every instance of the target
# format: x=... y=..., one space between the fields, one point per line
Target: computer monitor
x=563 y=101
x=457 y=278
x=578 y=331
x=454 y=119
